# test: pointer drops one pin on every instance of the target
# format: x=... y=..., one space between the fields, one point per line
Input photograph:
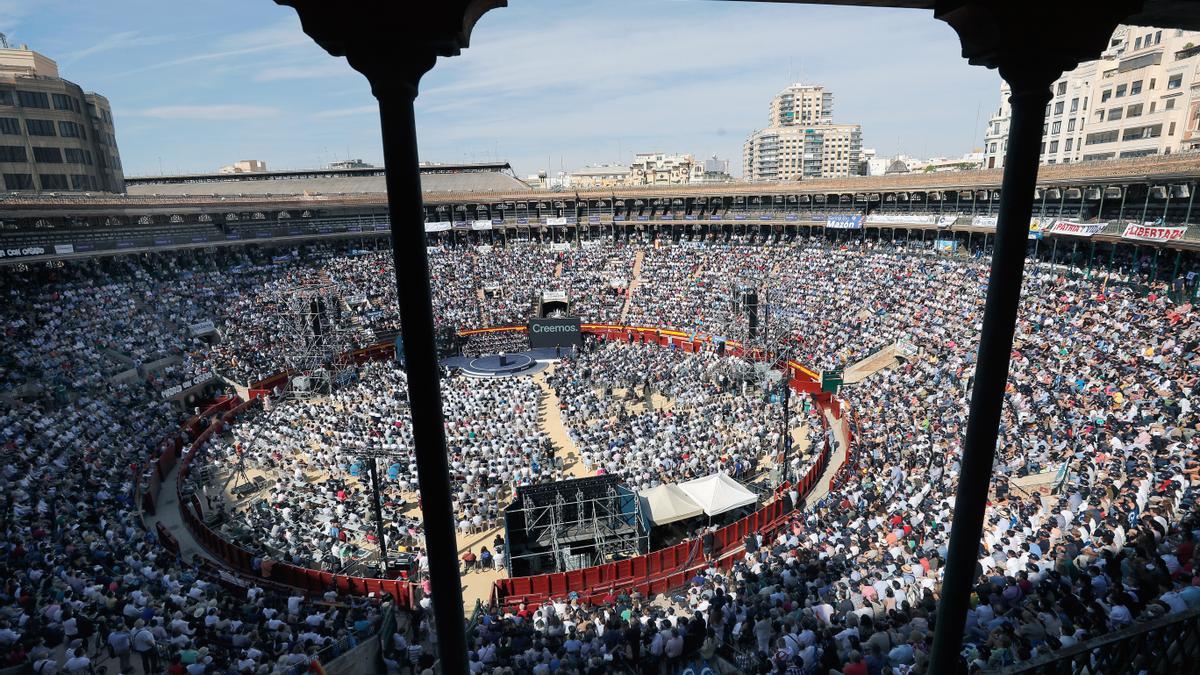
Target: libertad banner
x=844 y=222
x=1076 y=229
x=1152 y=232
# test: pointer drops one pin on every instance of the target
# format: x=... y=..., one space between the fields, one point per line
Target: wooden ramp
x=633 y=282
x=884 y=358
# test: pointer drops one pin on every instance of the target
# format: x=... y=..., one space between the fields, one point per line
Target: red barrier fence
x=673 y=567
x=654 y=573
x=247 y=564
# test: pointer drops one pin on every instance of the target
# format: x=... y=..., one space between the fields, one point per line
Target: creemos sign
x=554 y=332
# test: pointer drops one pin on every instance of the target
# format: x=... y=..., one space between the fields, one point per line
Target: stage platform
x=518 y=363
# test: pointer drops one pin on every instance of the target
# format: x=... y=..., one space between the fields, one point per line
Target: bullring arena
x=738 y=450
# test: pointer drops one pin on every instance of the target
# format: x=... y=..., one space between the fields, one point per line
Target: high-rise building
x=802 y=141
x=54 y=136
x=1135 y=100
x=802 y=104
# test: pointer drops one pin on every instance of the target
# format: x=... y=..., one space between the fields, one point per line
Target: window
x=1135 y=88
x=1152 y=81
x=1062 y=88
x=1120 y=90
x=1138 y=133
x=1074 y=104
x=1151 y=106
x=1056 y=128
x=80 y=181
x=1105 y=95
x=12 y=153
x=1053 y=147
x=1134 y=110
x=1101 y=137
x=6 y=97
x=1169 y=104
x=1157 y=37
x=53 y=181
x=18 y=181
x=1175 y=81
x=1058 y=108
x=10 y=125
x=1067 y=146
x=71 y=130
x=77 y=156
x=1042 y=151
x=1071 y=124
x=1045 y=128
x=1085 y=102
x=61 y=101
x=992 y=148
x=47 y=155
x=1171 y=130
x=40 y=127
x=1114 y=114
x=1137 y=44
x=33 y=99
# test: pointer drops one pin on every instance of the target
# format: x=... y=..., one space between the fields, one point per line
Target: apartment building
x=1136 y=100
x=54 y=136
x=801 y=140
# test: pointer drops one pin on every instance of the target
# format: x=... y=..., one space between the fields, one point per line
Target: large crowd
x=1099 y=401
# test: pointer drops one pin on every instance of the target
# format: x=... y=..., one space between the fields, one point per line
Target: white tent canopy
x=718 y=493
x=667 y=504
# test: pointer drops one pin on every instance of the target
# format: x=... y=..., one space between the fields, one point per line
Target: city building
x=801 y=140
x=712 y=170
x=350 y=164
x=54 y=136
x=802 y=104
x=606 y=175
x=1135 y=100
x=248 y=166
x=657 y=168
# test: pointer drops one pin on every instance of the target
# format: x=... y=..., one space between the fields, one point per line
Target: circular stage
x=493 y=365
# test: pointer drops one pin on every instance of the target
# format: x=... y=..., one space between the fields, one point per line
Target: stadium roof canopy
x=456 y=178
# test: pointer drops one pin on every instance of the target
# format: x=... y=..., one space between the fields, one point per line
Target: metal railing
x=1168 y=644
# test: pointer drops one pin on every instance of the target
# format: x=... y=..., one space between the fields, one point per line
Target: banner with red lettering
x=1076 y=229
x=1152 y=232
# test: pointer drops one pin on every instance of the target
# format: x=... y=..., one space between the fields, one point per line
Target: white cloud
x=122 y=40
x=329 y=67
x=281 y=36
x=371 y=108
x=229 y=111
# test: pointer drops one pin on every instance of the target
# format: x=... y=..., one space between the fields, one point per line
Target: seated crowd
x=1099 y=401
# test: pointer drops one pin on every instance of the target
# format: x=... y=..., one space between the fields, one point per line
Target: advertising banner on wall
x=946 y=221
x=900 y=219
x=481 y=225
x=64 y=249
x=1152 y=232
x=843 y=222
x=1076 y=229
x=21 y=252
x=556 y=221
x=983 y=221
x=439 y=226
x=555 y=332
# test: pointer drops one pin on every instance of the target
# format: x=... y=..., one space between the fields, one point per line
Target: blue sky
x=197 y=85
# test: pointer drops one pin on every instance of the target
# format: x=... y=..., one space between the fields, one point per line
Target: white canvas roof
x=667 y=504
x=718 y=493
